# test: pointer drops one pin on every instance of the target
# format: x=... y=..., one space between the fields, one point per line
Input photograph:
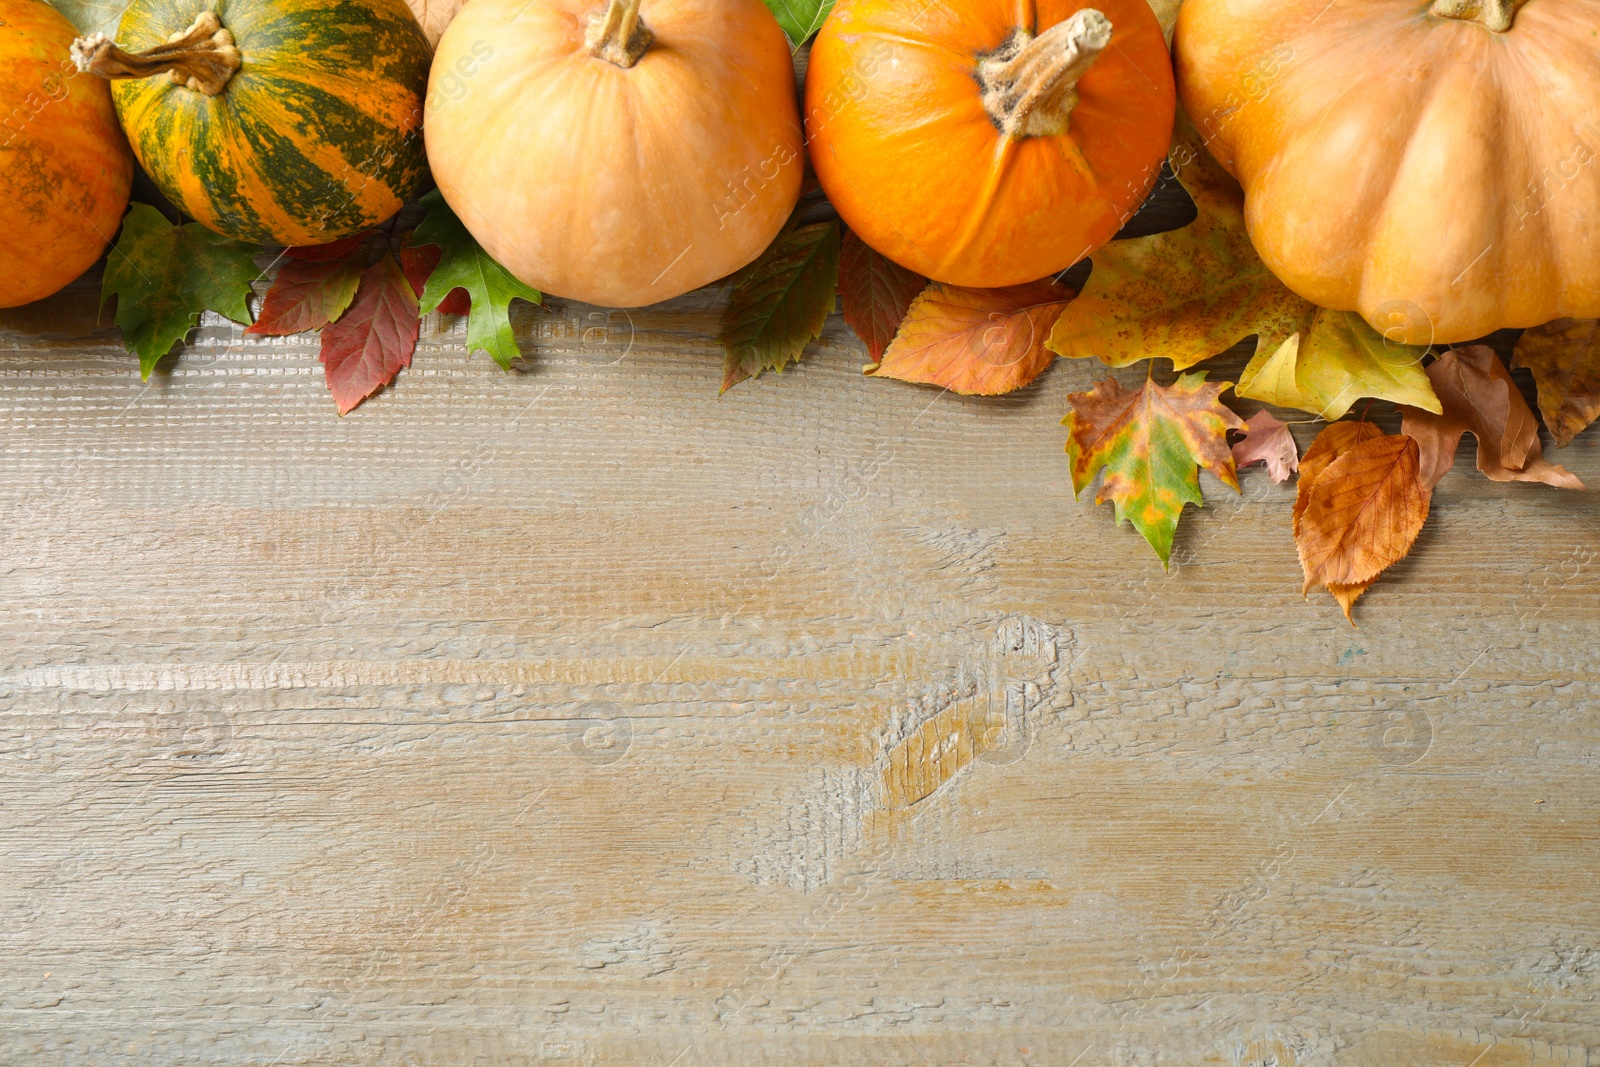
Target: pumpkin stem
x=1495 y=15
x=618 y=35
x=201 y=58
x=1030 y=84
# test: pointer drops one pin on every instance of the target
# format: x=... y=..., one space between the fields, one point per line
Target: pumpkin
x=1431 y=167
x=64 y=164
x=619 y=154
x=988 y=144
x=292 y=122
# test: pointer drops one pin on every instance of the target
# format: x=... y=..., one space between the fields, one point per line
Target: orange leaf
x=975 y=341
x=1362 y=514
x=1564 y=356
x=1479 y=397
x=1347 y=595
x=1334 y=441
x=1269 y=441
x=874 y=293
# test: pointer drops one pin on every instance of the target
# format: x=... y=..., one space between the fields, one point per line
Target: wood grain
x=577 y=715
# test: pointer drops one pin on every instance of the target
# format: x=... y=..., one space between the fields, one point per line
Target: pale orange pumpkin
x=1432 y=164
x=616 y=154
x=65 y=168
x=988 y=144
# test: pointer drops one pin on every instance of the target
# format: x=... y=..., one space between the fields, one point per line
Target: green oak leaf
x=800 y=18
x=464 y=264
x=780 y=302
x=164 y=276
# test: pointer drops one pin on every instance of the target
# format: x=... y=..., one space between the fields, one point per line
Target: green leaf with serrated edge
x=780 y=302
x=164 y=276
x=464 y=264
x=1333 y=360
x=800 y=18
x=1151 y=442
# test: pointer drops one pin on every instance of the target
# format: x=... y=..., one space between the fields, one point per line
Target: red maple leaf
x=367 y=346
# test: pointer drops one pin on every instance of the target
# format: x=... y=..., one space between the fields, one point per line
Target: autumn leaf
x=418 y=261
x=367 y=346
x=313 y=287
x=780 y=302
x=465 y=265
x=1269 y=441
x=975 y=341
x=1333 y=360
x=1334 y=441
x=434 y=16
x=92 y=16
x=1187 y=294
x=1150 y=442
x=339 y=249
x=1362 y=514
x=164 y=276
x=1479 y=397
x=800 y=18
x=874 y=293
x=1564 y=356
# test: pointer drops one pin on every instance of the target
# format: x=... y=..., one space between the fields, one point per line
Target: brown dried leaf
x=1334 y=441
x=1564 y=356
x=434 y=15
x=1480 y=398
x=1347 y=595
x=1269 y=441
x=1362 y=514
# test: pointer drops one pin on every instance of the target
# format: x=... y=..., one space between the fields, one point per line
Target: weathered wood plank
x=578 y=715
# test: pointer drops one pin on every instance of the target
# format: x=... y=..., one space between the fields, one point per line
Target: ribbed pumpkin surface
x=64 y=167
x=318 y=135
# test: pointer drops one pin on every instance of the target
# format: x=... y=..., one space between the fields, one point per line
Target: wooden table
x=577 y=715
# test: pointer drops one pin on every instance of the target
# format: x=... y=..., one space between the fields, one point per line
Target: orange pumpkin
x=65 y=167
x=1435 y=168
x=985 y=143
x=618 y=155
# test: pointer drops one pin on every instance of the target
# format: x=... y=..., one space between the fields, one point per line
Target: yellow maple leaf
x=1187 y=294
x=1333 y=360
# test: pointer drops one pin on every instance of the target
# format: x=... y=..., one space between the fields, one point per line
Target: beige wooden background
x=580 y=716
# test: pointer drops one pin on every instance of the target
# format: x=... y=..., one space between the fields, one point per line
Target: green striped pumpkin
x=316 y=136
